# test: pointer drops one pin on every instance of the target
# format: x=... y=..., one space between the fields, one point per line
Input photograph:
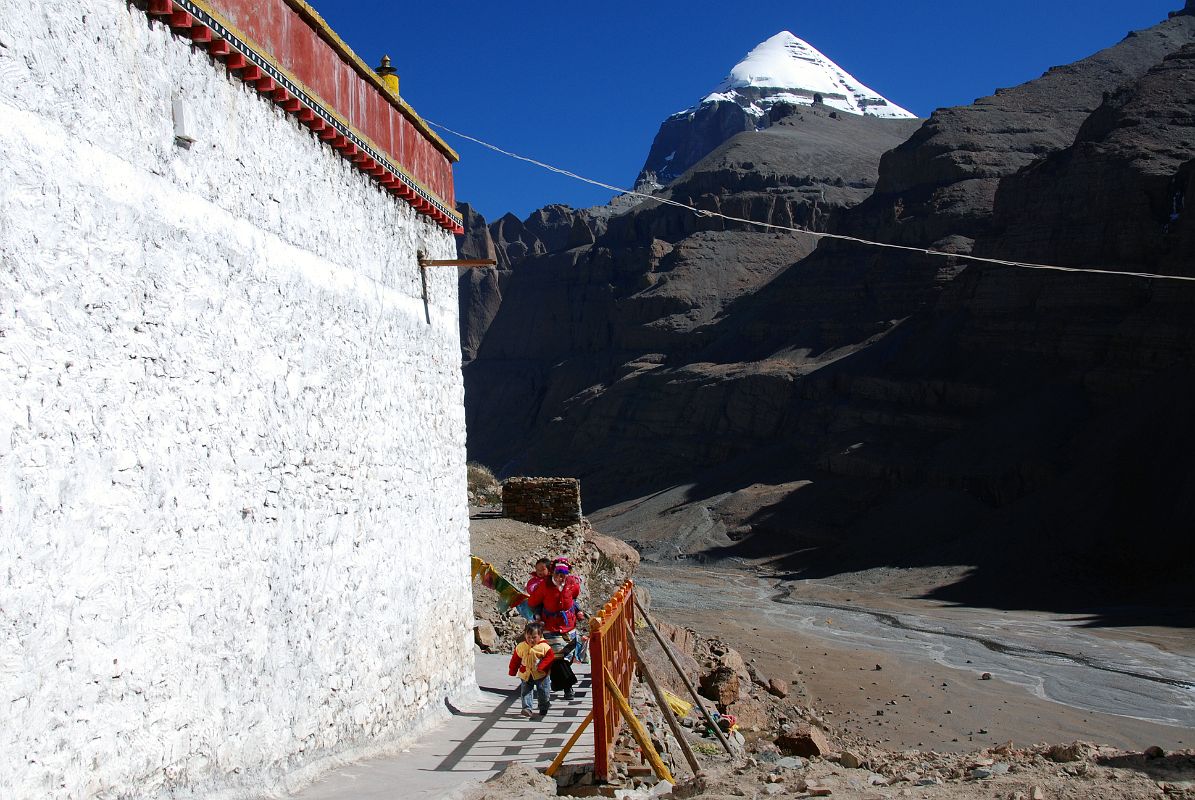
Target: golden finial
x=388 y=74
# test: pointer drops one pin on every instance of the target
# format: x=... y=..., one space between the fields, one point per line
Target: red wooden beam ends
x=385 y=127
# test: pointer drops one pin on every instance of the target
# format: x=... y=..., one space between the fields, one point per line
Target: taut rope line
x=805 y=231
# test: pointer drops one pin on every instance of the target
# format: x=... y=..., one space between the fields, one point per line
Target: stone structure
x=553 y=502
x=233 y=530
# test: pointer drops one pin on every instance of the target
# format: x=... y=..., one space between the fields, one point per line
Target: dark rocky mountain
x=686 y=138
x=736 y=392
x=582 y=299
x=1116 y=196
x=939 y=186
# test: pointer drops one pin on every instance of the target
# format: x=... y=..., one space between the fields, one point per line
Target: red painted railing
x=609 y=651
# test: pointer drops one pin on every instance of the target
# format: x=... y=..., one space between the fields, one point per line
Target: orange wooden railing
x=610 y=651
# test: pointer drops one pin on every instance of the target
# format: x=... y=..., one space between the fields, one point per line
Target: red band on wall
x=315 y=66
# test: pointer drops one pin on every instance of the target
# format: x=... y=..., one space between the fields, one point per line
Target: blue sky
x=585 y=86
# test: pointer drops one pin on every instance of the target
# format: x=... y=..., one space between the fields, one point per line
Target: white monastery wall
x=233 y=531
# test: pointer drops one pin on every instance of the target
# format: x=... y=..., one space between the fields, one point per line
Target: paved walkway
x=478 y=741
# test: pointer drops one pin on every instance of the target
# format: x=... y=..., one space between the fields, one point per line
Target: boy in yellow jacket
x=531 y=659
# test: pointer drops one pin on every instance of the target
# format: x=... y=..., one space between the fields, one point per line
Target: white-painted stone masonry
x=233 y=532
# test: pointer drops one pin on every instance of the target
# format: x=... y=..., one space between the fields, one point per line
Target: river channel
x=1050 y=656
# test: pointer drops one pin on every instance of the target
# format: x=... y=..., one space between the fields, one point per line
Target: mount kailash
x=783 y=72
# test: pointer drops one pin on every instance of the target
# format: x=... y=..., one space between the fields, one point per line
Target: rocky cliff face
x=852 y=407
x=583 y=299
x=686 y=138
x=1116 y=196
x=938 y=188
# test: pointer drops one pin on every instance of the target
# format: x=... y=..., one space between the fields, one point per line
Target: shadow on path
x=480 y=738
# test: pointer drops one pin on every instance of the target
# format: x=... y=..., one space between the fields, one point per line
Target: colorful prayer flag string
x=509 y=595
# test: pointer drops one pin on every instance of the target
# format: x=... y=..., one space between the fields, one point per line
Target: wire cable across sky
x=805 y=231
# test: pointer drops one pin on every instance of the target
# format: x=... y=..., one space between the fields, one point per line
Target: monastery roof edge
x=313 y=18
x=412 y=166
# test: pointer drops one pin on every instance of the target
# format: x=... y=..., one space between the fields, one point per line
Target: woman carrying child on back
x=543 y=571
x=556 y=600
x=531 y=661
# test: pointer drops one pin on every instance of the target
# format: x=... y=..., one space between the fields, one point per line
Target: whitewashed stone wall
x=233 y=532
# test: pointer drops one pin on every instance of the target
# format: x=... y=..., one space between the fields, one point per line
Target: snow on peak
x=785 y=69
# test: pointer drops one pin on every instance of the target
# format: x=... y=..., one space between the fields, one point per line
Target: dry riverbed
x=907 y=673
x=920 y=699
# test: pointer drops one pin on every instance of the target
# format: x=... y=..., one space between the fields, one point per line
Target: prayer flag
x=508 y=594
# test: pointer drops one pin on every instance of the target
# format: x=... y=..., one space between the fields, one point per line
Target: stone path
x=478 y=741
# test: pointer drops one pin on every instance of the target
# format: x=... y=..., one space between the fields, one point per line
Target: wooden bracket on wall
x=425 y=262
x=456 y=262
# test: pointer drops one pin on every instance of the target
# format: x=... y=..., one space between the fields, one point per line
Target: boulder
x=721 y=685
x=731 y=659
x=661 y=667
x=485 y=636
x=622 y=557
x=684 y=640
x=777 y=688
x=803 y=740
x=757 y=677
x=1064 y=753
x=752 y=713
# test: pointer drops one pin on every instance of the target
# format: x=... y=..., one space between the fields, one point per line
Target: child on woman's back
x=530 y=662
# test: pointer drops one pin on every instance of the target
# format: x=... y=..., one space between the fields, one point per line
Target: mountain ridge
x=845 y=407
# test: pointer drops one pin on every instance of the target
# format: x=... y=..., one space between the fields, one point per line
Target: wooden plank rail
x=611 y=654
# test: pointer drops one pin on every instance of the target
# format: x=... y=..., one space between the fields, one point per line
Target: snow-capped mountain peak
x=786 y=69
x=761 y=91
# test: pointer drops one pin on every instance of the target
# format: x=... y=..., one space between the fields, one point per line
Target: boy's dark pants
x=542 y=689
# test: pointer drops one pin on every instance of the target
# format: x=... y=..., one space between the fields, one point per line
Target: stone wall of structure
x=233 y=530
x=552 y=502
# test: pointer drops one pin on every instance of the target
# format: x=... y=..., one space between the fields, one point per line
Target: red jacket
x=558 y=607
x=532 y=583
